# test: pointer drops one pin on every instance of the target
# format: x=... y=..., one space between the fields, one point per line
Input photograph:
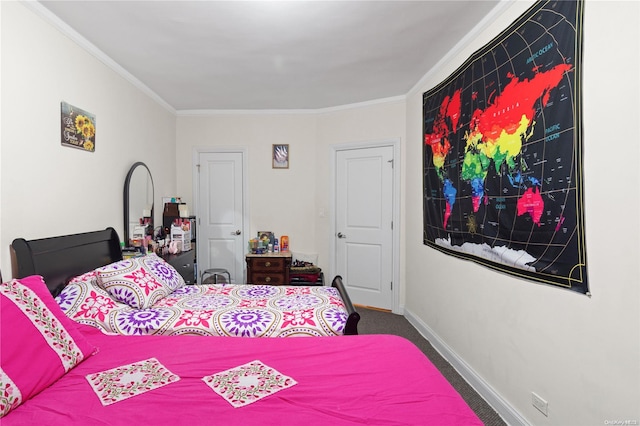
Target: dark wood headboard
x=58 y=259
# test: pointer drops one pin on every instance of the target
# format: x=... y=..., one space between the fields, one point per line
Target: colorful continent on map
x=496 y=134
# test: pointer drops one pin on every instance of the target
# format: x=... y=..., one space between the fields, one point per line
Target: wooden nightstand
x=268 y=268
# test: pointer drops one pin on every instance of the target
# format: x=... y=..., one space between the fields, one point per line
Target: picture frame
x=265 y=235
x=280 y=156
x=78 y=128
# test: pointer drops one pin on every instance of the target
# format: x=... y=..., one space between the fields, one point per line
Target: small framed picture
x=78 y=128
x=265 y=235
x=280 y=156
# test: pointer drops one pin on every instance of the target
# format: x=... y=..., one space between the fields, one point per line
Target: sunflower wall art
x=78 y=128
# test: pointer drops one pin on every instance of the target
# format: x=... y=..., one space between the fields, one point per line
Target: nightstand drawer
x=273 y=264
x=268 y=279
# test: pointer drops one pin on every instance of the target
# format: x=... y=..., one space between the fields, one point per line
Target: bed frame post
x=351 y=327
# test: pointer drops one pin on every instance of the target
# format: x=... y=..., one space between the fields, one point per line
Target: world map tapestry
x=502 y=155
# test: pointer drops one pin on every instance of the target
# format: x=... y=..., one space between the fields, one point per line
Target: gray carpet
x=377 y=322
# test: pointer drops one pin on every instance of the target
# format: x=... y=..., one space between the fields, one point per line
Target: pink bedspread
x=370 y=379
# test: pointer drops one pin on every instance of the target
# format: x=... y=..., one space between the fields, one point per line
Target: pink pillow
x=39 y=343
x=139 y=281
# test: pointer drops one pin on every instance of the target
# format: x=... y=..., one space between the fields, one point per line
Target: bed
x=77 y=375
x=146 y=296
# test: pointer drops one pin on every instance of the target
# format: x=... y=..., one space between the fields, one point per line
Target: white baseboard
x=506 y=411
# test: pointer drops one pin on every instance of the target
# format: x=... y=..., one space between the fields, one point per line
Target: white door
x=220 y=240
x=364 y=215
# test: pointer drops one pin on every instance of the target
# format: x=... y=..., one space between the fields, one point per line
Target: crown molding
x=209 y=112
x=65 y=29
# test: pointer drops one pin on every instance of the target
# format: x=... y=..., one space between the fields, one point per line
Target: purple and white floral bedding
x=207 y=310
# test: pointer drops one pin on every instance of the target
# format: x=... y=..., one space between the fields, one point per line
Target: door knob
x=341 y=235
x=238 y=232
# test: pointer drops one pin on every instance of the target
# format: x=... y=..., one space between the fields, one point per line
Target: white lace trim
x=10 y=396
x=56 y=336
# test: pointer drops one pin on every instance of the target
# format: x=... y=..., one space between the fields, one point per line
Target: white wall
x=286 y=201
x=581 y=354
x=48 y=189
x=280 y=200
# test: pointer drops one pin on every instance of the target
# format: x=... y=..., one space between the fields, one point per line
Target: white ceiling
x=256 y=55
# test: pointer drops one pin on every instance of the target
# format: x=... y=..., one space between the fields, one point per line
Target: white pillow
x=139 y=281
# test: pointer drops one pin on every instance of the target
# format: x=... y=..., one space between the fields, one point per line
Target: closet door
x=364 y=216
x=221 y=211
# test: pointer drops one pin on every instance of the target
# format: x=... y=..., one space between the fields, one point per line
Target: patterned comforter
x=212 y=310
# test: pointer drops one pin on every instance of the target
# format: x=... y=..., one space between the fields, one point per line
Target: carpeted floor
x=379 y=322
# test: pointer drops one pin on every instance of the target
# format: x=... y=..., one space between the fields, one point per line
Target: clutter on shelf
x=266 y=242
x=304 y=268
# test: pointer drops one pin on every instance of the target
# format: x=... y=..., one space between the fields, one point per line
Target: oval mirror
x=138 y=200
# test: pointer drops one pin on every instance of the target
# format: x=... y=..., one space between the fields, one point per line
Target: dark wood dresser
x=268 y=268
x=184 y=263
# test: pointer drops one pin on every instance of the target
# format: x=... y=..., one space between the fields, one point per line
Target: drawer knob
x=267 y=264
x=267 y=280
